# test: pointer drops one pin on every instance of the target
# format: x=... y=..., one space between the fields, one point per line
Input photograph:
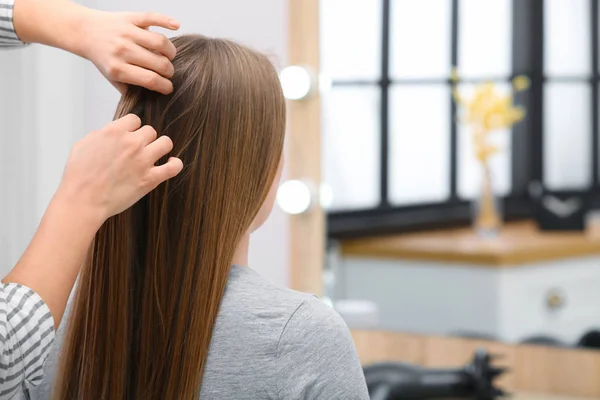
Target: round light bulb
x=296 y=82
x=294 y=197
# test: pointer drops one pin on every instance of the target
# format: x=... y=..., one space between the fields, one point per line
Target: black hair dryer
x=399 y=381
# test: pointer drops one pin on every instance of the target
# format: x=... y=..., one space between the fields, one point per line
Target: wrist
x=76 y=207
x=75 y=20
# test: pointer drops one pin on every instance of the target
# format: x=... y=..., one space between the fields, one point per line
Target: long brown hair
x=150 y=291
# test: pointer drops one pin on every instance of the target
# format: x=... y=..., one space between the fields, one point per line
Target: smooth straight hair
x=149 y=293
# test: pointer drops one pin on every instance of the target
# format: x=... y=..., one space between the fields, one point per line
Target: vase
x=487 y=214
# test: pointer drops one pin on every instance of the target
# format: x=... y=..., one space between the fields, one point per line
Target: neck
x=240 y=257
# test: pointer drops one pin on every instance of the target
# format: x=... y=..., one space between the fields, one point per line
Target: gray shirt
x=268 y=343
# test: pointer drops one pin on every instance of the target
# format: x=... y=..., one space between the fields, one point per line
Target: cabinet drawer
x=558 y=300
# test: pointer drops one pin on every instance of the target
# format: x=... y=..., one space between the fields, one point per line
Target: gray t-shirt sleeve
x=316 y=357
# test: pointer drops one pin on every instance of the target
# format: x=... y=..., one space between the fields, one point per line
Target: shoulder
x=316 y=356
x=313 y=327
x=292 y=316
x=313 y=317
x=260 y=307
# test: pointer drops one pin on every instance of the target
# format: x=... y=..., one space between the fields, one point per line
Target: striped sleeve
x=26 y=334
x=8 y=37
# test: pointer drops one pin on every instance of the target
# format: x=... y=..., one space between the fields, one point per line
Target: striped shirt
x=8 y=37
x=26 y=325
x=26 y=334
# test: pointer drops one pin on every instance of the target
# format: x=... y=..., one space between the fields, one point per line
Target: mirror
x=426 y=133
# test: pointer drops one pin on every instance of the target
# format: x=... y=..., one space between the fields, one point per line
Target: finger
x=159 y=148
x=154 y=41
x=130 y=123
x=151 y=61
x=146 y=134
x=161 y=173
x=138 y=76
x=147 y=19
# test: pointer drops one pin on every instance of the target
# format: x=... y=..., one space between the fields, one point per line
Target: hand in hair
x=119 y=44
x=107 y=172
x=126 y=52
x=111 y=169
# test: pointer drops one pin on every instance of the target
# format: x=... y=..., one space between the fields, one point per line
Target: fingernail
x=174 y=23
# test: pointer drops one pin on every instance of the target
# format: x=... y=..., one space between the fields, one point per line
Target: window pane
x=469 y=169
x=567 y=135
x=420 y=38
x=351 y=146
x=419 y=144
x=567 y=36
x=485 y=37
x=351 y=38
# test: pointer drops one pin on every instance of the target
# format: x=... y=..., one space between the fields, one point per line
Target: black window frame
x=527 y=136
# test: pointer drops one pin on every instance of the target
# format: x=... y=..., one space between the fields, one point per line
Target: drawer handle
x=555 y=299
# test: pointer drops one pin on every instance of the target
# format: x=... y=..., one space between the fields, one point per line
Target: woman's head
x=226 y=117
x=149 y=294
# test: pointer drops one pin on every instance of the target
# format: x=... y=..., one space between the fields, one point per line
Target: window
x=393 y=153
x=417 y=88
x=567 y=94
x=351 y=110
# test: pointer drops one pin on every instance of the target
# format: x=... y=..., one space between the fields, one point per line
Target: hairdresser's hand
x=111 y=169
x=126 y=52
x=107 y=172
x=119 y=44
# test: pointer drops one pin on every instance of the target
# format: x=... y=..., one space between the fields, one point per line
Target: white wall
x=18 y=154
x=65 y=97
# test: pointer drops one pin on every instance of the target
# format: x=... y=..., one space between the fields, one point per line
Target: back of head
x=149 y=294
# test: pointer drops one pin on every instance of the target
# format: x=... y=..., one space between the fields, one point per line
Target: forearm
x=53 y=23
x=52 y=261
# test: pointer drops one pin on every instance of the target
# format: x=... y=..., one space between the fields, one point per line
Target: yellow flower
x=487 y=111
